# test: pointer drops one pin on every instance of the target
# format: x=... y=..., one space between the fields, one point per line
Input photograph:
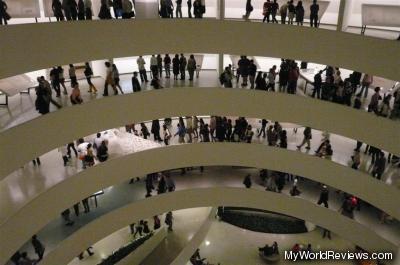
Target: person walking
x=88 y=74
x=306 y=140
x=115 y=76
x=264 y=123
x=109 y=80
x=323 y=196
x=314 y=9
x=55 y=81
x=274 y=11
x=38 y=247
x=142 y=70
x=267 y=10
x=249 y=9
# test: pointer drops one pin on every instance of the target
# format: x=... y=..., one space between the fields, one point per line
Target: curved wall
x=90 y=40
x=48 y=132
x=207 y=154
x=331 y=220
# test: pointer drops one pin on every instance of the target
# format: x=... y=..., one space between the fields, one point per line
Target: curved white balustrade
x=332 y=220
x=90 y=40
x=48 y=132
x=207 y=154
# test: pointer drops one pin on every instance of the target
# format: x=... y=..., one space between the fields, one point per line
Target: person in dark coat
x=135 y=82
x=73 y=9
x=162 y=186
x=323 y=196
x=155 y=130
x=247 y=181
x=81 y=10
x=38 y=246
x=299 y=13
x=57 y=10
x=175 y=66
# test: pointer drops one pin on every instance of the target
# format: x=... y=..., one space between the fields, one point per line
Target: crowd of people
x=288 y=11
x=167 y=8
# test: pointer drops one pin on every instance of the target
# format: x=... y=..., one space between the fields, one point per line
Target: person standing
x=283 y=75
x=88 y=74
x=142 y=70
x=72 y=74
x=81 y=10
x=62 y=79
x=293 y=76
x=323 y=196
x=306 y=140
x=317 y=85
x=191 y=67
x=283 y=12
x=167 y=66
x=159 y=65
x=292 y=10
x=74 y=9
x=182 y=66
x=197 y=9
x=271 y=78
x=157 y=222
x=169 y=220
x=189 y=5
x=175 y=66
x=314 y=9
x=379 y=166
x=252 y=73
x=67 y=11
x=88 y=9
x=178 y=11
x=374 y=102
x=170 y=183
x=153 y=66
x=155 y=130
x=57 y=10
x=117 y=6
x=365 y=83
x=135 y=82
x=38 y=246
x=167 y=135
x=299 y=13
